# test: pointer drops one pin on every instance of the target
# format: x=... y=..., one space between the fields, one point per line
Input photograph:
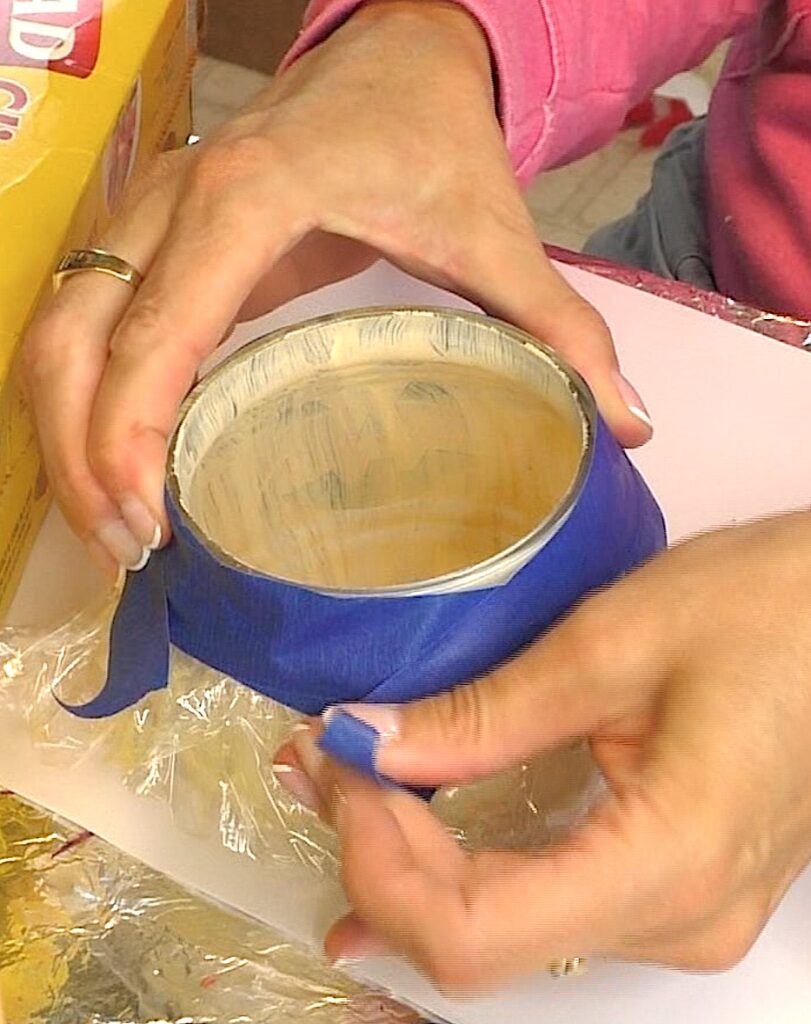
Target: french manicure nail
x=347 y=963
x=142 y=524
x=632 y=399
x=141 y=563
x=297 y=785
x=116 y=537
x=360 y=948
x=311 y=758
x=339 y=808
x=383 y=718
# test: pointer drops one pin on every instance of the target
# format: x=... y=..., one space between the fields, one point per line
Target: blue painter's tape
x=356 y=744
x=310 y=649
x=138 y=662
x=353 y=742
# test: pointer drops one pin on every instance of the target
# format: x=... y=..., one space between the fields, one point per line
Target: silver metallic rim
x=533 y=542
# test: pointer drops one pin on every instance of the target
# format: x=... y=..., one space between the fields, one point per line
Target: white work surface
x=731 y=411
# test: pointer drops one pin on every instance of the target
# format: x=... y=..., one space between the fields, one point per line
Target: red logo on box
x=14 y=101
x=55 y=35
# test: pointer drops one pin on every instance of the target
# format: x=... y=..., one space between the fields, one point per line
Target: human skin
x=691 y=680
x=384 y=139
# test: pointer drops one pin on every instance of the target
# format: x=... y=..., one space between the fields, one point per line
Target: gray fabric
x=667 y=232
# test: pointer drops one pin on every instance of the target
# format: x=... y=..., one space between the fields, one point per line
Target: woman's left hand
x=692 y=680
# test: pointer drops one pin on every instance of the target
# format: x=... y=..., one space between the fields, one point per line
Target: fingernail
x=297 y=785
x=311 y=758
x=383 y=718
x=360 y=948
x=632 y=399
x=116 y=537
x=347 y=963
x=339 y=807
x=142 y=524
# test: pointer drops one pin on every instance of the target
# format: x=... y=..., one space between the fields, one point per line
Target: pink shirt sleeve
x=568 y=70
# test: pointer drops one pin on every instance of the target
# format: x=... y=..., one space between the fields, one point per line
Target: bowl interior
x=380 y=449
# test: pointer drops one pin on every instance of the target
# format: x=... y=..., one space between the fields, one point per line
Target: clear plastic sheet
x=99 y=930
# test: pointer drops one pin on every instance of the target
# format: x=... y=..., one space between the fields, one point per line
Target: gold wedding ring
x=78 y=260
x=568 y=967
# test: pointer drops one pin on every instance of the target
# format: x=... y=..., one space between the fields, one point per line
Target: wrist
x=446 y=22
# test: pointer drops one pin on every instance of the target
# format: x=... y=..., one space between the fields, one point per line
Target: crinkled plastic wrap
x=91 y=935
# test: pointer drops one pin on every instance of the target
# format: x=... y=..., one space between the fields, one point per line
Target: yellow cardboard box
x=89 y=90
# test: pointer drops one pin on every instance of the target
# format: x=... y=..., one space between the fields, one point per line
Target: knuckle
x=51 y=340
x=597 y=638
x=464 y=718
x=450 y=968
x=223 y=164
x=723 y=947
x=154 y=176
x=584 y=316
x=104 y=456
x=145 y=321
x=113 y=451
x=66 y=479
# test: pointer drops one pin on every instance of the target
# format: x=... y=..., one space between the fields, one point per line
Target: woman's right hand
x=384 y=139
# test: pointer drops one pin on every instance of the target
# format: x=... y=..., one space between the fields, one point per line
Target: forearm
x=568 y=72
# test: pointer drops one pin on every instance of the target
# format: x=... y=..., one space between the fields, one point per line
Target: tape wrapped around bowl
x=376 y=506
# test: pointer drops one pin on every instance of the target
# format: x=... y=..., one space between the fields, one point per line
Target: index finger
x=504 y=914
x=215 y=251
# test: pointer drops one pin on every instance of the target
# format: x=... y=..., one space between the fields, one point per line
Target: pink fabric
x=569 y=71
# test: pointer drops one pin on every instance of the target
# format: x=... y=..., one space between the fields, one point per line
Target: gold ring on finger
x=77 y=261
x=568 y=967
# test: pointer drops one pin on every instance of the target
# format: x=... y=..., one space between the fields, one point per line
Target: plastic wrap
x=90 y=935
x=206 y=745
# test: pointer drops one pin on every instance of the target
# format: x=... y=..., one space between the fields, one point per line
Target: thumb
x=577 y=681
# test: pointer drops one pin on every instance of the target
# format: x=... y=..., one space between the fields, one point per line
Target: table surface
x=701 y=378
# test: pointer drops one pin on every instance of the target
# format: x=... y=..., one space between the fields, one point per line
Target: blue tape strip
x=352 y=742
x=356 y=743
x=138 y=660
